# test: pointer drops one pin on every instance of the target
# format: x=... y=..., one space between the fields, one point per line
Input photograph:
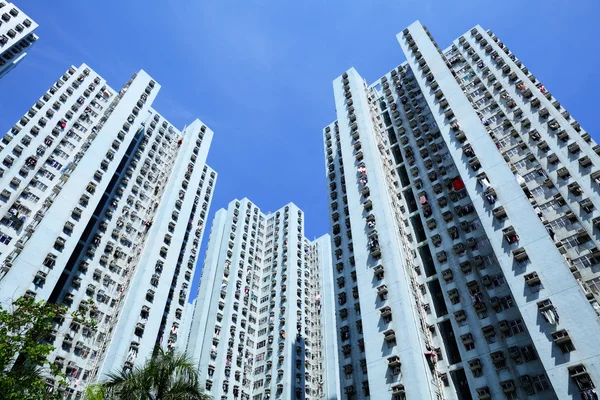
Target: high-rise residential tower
x=16 y=36
x=464 y=212
x=263 y=318
x=103 y=204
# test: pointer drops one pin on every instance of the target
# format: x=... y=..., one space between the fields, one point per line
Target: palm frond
x=167 y=376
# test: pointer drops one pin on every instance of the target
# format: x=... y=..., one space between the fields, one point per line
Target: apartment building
x=259 y=324
x=464 y=219
x=16 y=36
x=103 y=204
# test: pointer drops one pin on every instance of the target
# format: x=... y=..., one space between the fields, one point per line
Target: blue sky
x=259 y=72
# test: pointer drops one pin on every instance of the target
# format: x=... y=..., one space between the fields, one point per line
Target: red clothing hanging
x=458 y=184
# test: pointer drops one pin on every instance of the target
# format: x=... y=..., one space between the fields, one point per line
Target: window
x=482 y=101
x=587 y=261
x=549 y=206
x=532 y=176
x=261 y=344
x=529 y=353
x=561 y=222
x=490 y=260
x=61 y=154
x=571 y=241
x=538 y=191
x=68 y=144
x=31 y=197
x=55 y=164
x=594 y=284
x=540 y=382
x=258 y=384
x=521 y=164
x=506 y=302
x=47 y=174
x=498 y=280
x=517 y=326
x=39 y=185
x=581 y=377
x=73 y=135
x=483 y=243
x=511 y=396
x=476 y=93
x=563 y=341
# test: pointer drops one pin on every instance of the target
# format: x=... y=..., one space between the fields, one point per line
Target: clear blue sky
x=259 y=72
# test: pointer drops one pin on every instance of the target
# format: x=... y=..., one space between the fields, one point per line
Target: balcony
x=587 y=205
x=578 y=373
x=488 y=331
x=563 y=173
x=447 y=275
x=499 y=213
x=585 y=162
x=459 y=248
x=474 y=164
x=466 y=266
x=510 y=235
x=394 y=361
x=483 y=393
x=573 y=148
x=552 y=158
x=431 y=224
x=561 y=337
x=441 y=256
x=453 y=294
x=532 y=279
x=467 y=339
x=382 y=292
x=378 y=271
x=563 y=135
x=374 y=246
x=520 y=254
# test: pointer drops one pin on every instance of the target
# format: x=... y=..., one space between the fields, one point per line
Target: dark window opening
x=409 y=197
x=404 y=180
x=449 y=340
x=427 y=260
x=417 y=225
x=387 y=119
x=438 y=298
x=461 y=384
x=397 y=154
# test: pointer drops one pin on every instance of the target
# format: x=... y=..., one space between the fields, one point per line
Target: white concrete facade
x=16 y=36
x=257 y=329
x=103 y=204
x=464 y=212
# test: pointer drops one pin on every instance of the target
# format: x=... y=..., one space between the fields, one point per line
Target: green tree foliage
x=23 y=355
x=95 y=392
x=168 y=376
